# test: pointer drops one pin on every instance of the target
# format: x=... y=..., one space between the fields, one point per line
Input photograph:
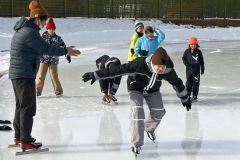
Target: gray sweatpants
x=157 y=111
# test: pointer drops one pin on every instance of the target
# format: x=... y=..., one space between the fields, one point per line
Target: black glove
x=187 y=103
x=202 y=72
x=89 y=76
x=69 y=59
x=143 y=53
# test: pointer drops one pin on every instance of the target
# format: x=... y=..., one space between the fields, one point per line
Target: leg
x=189 y=82
x=16 y=121
x=53 y=70
x=41 y=75
x=137 y=119
x=157 y=111
x=27 y=100
x=196 y=82
x=104 y=86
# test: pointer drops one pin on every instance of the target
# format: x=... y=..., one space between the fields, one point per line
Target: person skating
x=139 y=28
x=149 y=75
x=194 y=62
x=50 y=62
x=108 y=86
x=149 y=42
x=26 y=47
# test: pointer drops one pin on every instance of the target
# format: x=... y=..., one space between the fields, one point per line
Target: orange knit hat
x=36 y=10
x=192 y=41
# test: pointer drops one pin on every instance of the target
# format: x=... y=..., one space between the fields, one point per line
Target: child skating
x=50 y=62
x=194 y=62
x=149 y=75
x=109 y=86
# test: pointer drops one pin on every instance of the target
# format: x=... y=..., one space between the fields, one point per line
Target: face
x=140 y=29
x=159 y=68
x=150 y=35
x=51 y=31
x=193 y=46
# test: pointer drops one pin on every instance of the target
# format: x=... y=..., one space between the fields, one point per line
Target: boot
x=151 y=135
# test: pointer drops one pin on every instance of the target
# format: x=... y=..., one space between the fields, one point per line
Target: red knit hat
x=50 y=24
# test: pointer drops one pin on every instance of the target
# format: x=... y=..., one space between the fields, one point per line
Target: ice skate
x=194 y=99
x=136 y=152
x=113 y=100
x=105 y=100
x=31 y=148
x=16 y=143
x=151 y=136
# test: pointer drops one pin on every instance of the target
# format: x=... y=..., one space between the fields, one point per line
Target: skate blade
x=13 y=145
x=136 y=156
x=39 y=150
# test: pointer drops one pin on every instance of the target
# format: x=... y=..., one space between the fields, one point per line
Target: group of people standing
x=148 y=64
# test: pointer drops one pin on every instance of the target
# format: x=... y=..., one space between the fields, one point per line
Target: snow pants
x=192 y=84
x=25 y=97
x=41 y=75
x=138 y=125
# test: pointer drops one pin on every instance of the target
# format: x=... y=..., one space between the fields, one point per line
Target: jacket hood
x=24 y=22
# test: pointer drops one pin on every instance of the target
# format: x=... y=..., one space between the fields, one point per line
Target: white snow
x=77 y=126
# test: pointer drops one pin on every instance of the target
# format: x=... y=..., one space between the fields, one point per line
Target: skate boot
x=194 y=99
x=151 y=135
x=113 y=100
x=30 y=146
x=17 y=141
x=136 y=151
x=105 y=100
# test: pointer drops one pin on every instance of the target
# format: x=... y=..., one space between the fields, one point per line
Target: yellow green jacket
x=134 y=39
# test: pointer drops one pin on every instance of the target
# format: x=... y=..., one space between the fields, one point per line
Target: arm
x=160 y=35
x=202 y=63
x=115 y=85
x=184 y=59
x=133 y=42
x=141 y=52
x=37 y=43
x=180 y=89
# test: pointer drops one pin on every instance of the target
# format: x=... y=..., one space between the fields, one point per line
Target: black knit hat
x=160 y=57
x=138 y=24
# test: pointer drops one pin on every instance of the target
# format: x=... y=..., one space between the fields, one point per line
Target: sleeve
x=138 y=46
x=184 y=59
x=133 y=42
x=124 y=69
x=177 y=84
x=115 y=85
x=61 y=42
x=202 y=61
x=160 y=35
x=37 y=43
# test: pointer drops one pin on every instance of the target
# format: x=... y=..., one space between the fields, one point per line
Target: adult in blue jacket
x=26 y=47
x=147 y=44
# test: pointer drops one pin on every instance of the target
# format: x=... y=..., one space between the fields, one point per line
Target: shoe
x=105 y=100
x=136 y=150
x=151 y=135
x=113 y=99
x=194 y=99
x=30 y=146
x=17 y=141
x=58 y=93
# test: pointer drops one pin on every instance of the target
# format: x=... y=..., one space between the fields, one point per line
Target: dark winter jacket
x=26 y=47
x=193 y=61
x=54 y=40
x=106 y=62
x=145 y=79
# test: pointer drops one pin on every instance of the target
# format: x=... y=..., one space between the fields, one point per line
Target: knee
x=158 y=114
x=138 y=113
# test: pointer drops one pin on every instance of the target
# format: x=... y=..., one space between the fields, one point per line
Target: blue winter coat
x=149 y=45
x=26 y=47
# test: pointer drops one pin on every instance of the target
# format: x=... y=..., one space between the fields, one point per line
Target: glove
x=202 y=72
x=187 y=103
x=68 y=58
x=143 y=53
x=89 y=76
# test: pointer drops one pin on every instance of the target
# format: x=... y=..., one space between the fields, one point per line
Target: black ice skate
x=194 y=99
x=105 y=100
x=113 y=100
x=151 y=136
x=136 y=152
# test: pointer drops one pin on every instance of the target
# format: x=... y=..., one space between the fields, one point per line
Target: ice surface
x=77 y=126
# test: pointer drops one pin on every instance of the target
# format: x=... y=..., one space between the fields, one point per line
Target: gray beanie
x=138 y=24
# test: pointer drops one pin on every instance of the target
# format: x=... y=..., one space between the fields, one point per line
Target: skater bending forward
x=108 y=86
x=149 y=75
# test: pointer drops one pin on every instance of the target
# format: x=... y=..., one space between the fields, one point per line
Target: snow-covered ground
x=77 y=126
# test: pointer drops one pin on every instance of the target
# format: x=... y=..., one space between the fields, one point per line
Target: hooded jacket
x=26 y=47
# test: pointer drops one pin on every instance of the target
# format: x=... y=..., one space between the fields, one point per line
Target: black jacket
x=193 y=60
x=145 y=79
x=26 y=47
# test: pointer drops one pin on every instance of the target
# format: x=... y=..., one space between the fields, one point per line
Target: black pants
x=25 y=97
x=192 y=84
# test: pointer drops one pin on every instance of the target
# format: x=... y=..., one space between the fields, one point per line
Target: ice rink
x=77 y=126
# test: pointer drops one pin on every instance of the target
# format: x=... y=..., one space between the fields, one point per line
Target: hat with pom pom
x=36 y=10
